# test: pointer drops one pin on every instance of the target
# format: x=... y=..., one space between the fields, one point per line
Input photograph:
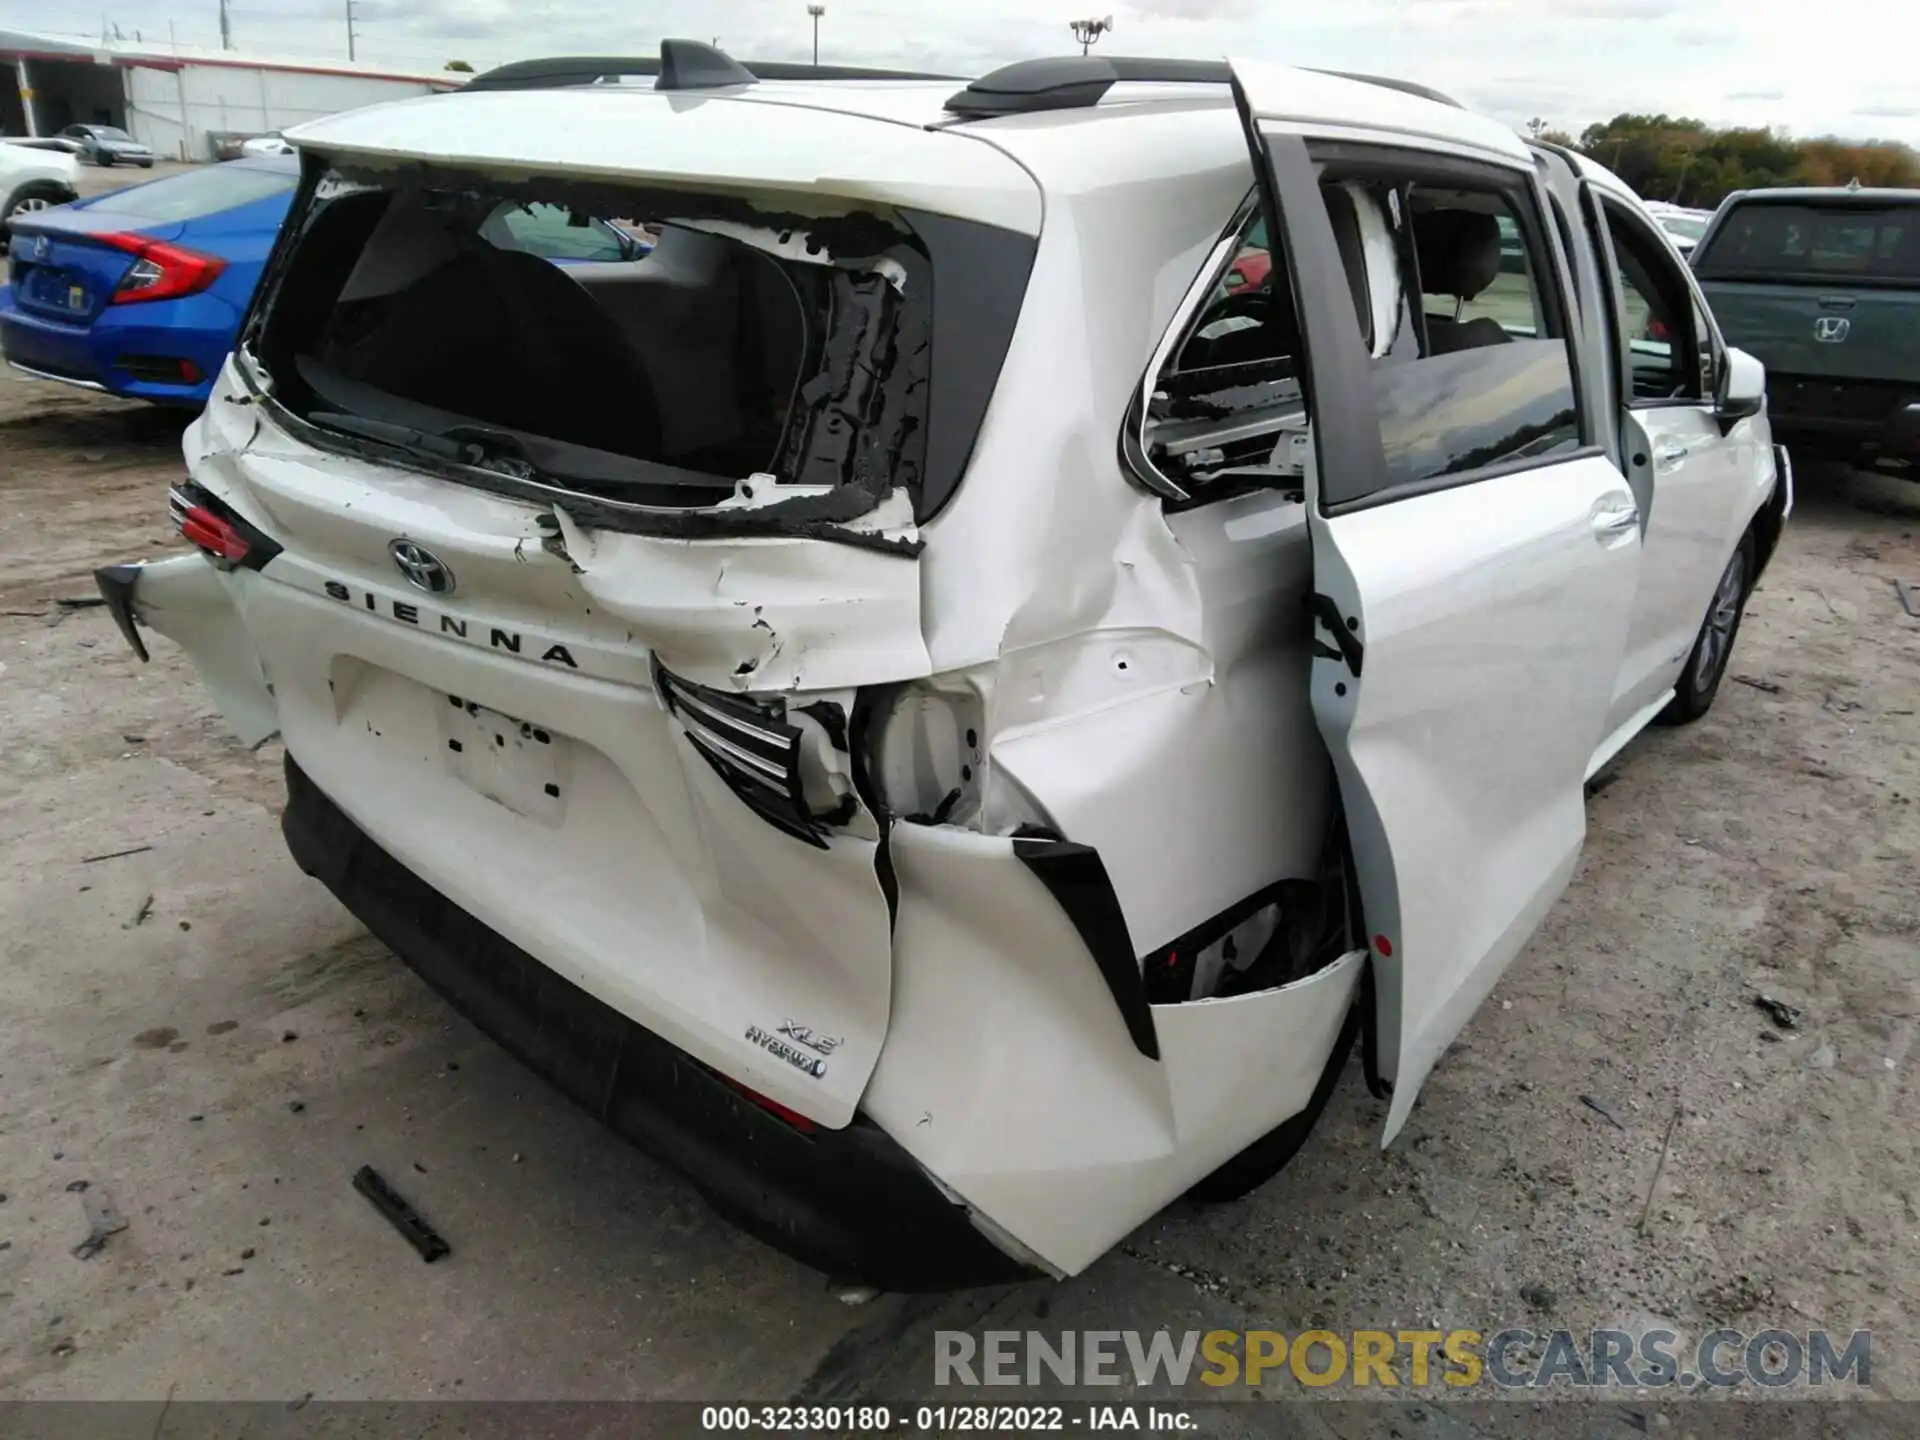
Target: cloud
x=1571 y=62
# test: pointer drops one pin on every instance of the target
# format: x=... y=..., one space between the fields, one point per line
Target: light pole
x=1088 y=31
x=816 y=11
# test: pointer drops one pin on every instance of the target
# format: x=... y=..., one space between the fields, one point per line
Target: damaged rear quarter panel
x=1009 y=1072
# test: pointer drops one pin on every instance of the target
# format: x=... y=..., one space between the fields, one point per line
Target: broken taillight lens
x=752 y=746
x=216 y=529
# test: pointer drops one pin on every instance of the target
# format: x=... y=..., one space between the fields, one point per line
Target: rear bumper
x=849 y=1202
x=94 y=356
x=1846 y=414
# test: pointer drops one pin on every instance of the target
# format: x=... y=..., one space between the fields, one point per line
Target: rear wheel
x=1713 y=646
x=34 y=196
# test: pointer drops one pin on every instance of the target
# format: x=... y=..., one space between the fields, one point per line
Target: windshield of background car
x=1792 y=241
x=1684 y=226
x=201 y=192
x=664 y=349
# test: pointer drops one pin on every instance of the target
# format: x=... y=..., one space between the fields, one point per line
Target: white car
x=35 y=175
x=932 y=702
x=272 y=143
x=1684 y=225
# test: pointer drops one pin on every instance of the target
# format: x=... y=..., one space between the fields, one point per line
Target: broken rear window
x=668 y=351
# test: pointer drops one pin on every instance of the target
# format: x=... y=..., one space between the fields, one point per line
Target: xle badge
x=800 y=1060
x=806 y=1035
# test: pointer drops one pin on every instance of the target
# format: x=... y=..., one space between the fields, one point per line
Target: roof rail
x=1073 y=82
x=562 y=71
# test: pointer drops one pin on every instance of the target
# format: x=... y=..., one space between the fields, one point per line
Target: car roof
x=1828 y=195
x=894 y=140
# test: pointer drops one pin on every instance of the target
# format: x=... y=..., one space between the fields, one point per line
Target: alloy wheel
x=1716 y=641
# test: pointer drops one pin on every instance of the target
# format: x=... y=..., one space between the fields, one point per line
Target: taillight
x=160 y=271
x=753 y=746
x=216 y=529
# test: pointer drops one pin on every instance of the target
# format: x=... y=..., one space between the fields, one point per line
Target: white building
x=185 y=103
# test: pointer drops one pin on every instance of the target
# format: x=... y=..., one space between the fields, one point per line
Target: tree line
x=1688 y=162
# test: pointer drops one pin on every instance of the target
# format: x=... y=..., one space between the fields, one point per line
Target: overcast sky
x=1836 y=67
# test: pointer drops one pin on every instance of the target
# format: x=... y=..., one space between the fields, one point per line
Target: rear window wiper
x=446 y=447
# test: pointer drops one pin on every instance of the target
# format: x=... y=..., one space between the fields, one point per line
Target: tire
x=30 y=197
x=1707 y=662
x=146 y=164
x=1267 y=1156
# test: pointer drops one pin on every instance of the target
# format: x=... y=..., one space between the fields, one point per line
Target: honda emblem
x=1831 y=329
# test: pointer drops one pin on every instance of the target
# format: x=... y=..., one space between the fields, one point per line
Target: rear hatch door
x=584 y=573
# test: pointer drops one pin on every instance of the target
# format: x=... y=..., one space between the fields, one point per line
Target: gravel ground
x=204 y=1037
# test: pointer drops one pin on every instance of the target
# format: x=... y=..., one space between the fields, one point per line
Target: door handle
x=1670 y=455
x=1614 y=518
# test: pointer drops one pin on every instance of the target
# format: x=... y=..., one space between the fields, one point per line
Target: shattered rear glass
x=656 y=349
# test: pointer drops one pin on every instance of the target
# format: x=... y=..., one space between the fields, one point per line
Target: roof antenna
x=695 y=65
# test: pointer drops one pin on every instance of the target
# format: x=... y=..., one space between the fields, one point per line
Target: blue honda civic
x=140 y=292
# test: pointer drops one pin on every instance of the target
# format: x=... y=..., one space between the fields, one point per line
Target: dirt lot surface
x=205 y=1039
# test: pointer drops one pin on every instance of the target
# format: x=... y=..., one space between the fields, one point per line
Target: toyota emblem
x=424 y=569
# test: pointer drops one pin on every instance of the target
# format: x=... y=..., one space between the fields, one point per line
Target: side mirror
x=1743 y=388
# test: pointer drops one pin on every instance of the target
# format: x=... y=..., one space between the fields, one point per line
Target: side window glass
x=1657 y=316
x=1482 y=376
x=1226 y=412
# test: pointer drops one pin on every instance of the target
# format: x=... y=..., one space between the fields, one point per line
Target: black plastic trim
x=564 y=71
x=1345 y=641
x=1075 y=82
x=980 y=275
x=116 y=584
x=1077 y=880
x=849 y=1202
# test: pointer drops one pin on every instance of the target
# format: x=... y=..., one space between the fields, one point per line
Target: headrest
x=1459 y=251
